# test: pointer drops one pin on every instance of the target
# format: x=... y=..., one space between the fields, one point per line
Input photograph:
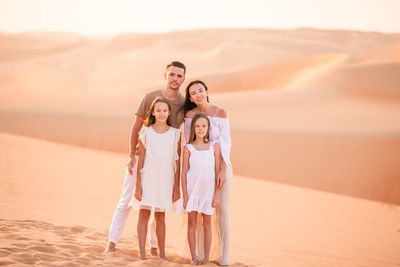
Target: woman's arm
x=224 y=140
x=138 y=187
x=217 y=156
x=185 y=168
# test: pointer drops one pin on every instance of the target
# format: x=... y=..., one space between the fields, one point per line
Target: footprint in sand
x=25 y=258
x=22 y=238
x=13 y=249
x=78 y=229
x=69 y=239
x=96 y=236
x=19 y=245
x=75 y=249
x=4 y=253
x=96 y=249
x=10 y=236
x=46 y=249
x=45 y=225
x=4 y=263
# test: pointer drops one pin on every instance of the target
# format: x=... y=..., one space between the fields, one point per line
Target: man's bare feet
x=153 y=252
x=206 y=262
x=110 y=248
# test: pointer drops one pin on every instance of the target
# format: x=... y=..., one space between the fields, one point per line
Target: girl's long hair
x=192 y=132
x=189 y=105
x=149 y=118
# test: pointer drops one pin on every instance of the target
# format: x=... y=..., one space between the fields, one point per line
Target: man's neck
x=169 y=93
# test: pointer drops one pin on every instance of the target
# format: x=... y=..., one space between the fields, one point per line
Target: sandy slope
x=310 y=108
x=322 y=139
x=57 y=202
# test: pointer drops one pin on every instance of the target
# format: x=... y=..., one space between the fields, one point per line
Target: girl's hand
x=176 y=194
x=221 y=179
x=138 y=193
x=215 y=200
x=131 y=165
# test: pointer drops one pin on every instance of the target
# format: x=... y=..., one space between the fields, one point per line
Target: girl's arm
x=218 y=163
x=176 y=192
x=138 y=187
x=185 y=168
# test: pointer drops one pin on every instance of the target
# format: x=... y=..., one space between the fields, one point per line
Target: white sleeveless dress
x=158 y=172
x=220 y=220
x=200 y=181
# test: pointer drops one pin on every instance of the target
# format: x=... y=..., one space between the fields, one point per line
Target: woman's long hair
x=149 y=118
x=192 y=132
x=189 y=105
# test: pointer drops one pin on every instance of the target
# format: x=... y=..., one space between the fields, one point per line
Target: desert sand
x=315 y=123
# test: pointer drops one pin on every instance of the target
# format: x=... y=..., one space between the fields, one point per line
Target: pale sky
x=111 y=17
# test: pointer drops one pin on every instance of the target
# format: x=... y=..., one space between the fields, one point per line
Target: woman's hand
x=131 y=165
x=221 y=179
x=176 y=194
x=138 y=193
x=185 y=201
x=215 y=200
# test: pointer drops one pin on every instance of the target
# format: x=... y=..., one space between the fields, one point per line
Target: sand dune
x=129 y=63
x=281 y=75
x=315 y=117
x=28 y=45
x=33 y=242
x=366 y=80
x=381 y=54
x=302 y=142
x=61 y=218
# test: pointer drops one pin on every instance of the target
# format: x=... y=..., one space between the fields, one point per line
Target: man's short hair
x=178 y=65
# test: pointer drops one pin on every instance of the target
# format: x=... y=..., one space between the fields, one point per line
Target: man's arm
x=137 y=125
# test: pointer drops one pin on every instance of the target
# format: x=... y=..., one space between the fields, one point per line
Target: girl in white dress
x=197 y=101
x=201 y=164
x=158 y=174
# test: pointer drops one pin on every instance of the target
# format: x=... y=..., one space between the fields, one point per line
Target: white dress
x=200 y=181
x=158 y=172
x=220 y=220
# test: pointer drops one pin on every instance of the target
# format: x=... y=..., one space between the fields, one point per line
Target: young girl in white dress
x=157 y=172
x=201 y=164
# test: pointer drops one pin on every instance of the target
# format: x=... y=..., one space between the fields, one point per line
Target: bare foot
x=110 y=248
x=195 y=262
x=223 y=262
x=142 y=257
x=153 y=252
x=206 y=262
x=162 y=256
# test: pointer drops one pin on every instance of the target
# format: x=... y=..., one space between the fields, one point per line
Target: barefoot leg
x=192 y=222
x=144 y=215
x=160 y=230
x=207 y=238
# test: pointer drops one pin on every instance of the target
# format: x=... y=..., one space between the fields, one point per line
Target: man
x=174 y=77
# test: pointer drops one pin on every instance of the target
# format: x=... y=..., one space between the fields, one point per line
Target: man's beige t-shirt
x=176 y=117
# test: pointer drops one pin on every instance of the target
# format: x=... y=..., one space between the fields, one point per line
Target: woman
x=196 y=102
